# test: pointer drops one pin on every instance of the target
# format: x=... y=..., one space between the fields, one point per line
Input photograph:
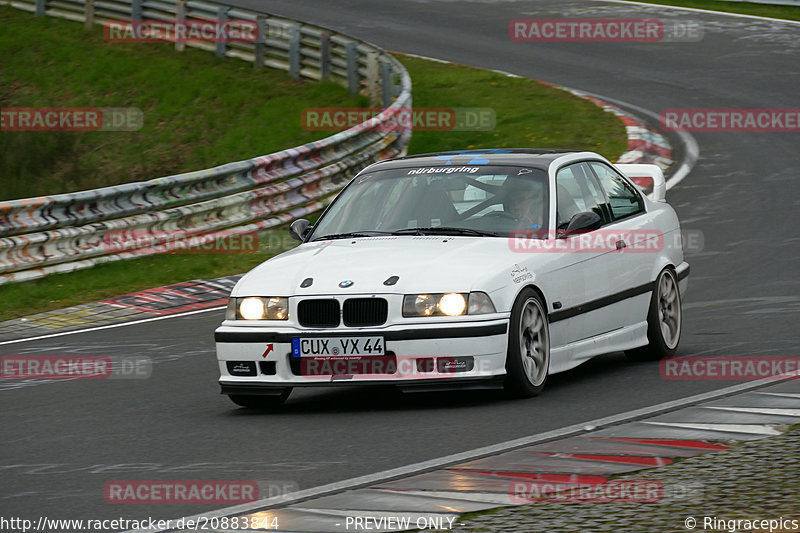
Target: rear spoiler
x=646 y=176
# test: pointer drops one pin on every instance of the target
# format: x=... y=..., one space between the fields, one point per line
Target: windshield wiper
x=350 y=234
x=444 y=230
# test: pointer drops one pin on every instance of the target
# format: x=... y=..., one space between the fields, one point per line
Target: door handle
x=621 y=244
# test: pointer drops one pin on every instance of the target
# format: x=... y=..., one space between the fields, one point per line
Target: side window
x=576 y=191
x=624 y=199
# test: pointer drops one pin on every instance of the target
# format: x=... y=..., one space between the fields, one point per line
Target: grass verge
x=199 y=112
x=745 y=8
x=528 y=114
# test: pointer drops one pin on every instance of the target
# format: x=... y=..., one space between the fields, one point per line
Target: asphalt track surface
x=61 y=441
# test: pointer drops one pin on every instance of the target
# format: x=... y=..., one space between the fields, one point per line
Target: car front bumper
x=259 y=360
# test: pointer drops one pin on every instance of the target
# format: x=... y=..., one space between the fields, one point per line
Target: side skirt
x=571 y=355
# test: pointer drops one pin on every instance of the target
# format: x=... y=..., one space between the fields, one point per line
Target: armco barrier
x=65 y=232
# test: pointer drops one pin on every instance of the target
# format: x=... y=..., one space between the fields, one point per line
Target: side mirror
x=299 y=229
x=581 y=223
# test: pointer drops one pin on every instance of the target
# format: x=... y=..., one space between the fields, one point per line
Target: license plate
x=337 y=346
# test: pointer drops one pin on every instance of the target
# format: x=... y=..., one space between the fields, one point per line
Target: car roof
x=529 y=157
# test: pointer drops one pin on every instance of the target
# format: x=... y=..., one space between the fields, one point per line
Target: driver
x=525 y=201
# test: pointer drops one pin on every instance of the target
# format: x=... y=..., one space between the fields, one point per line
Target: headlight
x=447 y=304
x=453 y=304
x=257 y=308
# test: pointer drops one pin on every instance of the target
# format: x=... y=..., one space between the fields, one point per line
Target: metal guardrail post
x=352 y=68
x=222 y=15
x=88 y=14
x=325 y=55
x=40 y=7
x=136 y=9
x=386 y=83
x=180 y=15
x=261 y=41
x=294 y=51
x=373 y=80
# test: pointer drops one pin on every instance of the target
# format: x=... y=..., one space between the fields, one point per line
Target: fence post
x=180 y=16
x=352 y=68
x=222 y=15
x=325 y=55
x=40 y=7
x=294 y=51
x=136 y=9
x=88 y=14
x=386 y=83
x=261 y=40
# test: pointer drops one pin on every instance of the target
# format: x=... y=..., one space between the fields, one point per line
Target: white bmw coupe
x=479 y=269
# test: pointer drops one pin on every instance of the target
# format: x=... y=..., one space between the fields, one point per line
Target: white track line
x=109 y=326
x=781 y=394
x=692 y=151
x=698 y=10
x=773 y=411
x=747 y=429
x=432 y=464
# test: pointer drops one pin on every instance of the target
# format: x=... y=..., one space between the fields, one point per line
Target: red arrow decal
x=269 y=349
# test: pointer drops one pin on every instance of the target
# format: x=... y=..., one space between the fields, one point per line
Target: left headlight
x=447 y=304
x=257 y=308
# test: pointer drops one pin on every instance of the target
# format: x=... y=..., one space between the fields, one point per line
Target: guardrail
x=66 y=232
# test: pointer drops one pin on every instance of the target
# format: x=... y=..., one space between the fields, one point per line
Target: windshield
x=466 y=200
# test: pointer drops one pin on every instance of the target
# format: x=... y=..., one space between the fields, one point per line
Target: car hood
x=422 y=264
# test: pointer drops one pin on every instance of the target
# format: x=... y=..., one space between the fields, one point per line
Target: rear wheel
x=664 y=320
x=528 y=356
x=259 y=401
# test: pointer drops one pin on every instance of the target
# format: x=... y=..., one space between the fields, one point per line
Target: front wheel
x=258 y=401
x=664 y=320
x=528 y=356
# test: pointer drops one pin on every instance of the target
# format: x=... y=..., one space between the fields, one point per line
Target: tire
x=259 y=401
x=528 y=356
x=664 y=320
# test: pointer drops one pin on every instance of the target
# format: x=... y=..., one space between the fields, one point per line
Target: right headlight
x=258 y=308
x=447 y=304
